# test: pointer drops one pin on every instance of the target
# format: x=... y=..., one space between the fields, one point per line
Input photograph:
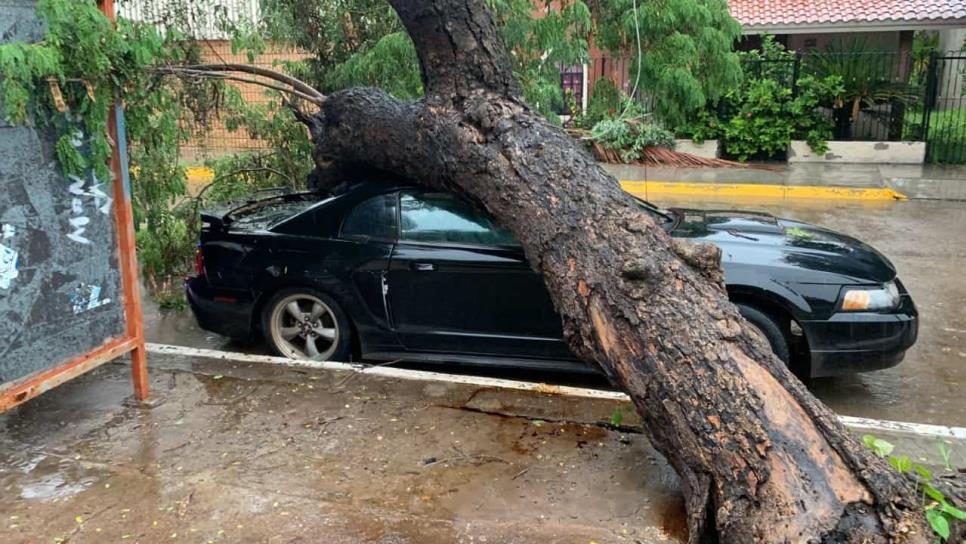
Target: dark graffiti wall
x=60 y=294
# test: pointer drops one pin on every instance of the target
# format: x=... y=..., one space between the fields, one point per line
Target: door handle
x=423 y=267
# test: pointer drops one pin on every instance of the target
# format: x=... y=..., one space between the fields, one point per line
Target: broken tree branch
x=188 y=72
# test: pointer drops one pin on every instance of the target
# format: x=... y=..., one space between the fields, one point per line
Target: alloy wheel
x=304 y=327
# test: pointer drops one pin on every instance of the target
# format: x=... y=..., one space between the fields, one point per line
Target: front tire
x=302 y=323
x=769 y=329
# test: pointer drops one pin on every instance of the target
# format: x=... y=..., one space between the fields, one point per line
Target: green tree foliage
x=765 y=117
x=84 y=58
x=629 y=137
x=604 y=103
x=361 y=42
x=685 y=54
x=91 y=61
x=333 y=31
x=389 y=64
x=542 y=37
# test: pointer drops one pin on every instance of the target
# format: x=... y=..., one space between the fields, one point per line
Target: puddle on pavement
x=258 y=448
x=44 y=477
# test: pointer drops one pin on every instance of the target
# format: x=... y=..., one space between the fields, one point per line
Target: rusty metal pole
x=127 y=256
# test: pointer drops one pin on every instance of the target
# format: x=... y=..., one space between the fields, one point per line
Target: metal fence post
x=796 y=71
x=929 y=101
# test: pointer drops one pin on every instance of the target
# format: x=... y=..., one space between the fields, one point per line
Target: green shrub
x=767 y=117
x=604 y=103
x=947 y=134
x=762 y=116
x=629 y=136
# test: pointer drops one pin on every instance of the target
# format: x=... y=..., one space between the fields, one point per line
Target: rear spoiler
x=215 y=220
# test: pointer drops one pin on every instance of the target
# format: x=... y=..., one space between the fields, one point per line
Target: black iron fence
x=889 y=95
x=881 y=88
x=943 y=119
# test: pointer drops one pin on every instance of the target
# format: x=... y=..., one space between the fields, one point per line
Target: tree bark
x=760 y=459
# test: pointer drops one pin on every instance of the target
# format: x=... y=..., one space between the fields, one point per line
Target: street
x=926 y=240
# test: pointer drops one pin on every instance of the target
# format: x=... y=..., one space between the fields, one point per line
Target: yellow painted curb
x=652 y=188
x=199 y=173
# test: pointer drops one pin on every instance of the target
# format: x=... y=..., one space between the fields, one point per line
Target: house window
x=572 y=83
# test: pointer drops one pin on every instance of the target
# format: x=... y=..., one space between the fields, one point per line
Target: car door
x=456 y=283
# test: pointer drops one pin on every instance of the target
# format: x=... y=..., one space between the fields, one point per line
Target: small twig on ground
x=361 y=369
x=521 y=473
x=234 y=399
x=324 y=424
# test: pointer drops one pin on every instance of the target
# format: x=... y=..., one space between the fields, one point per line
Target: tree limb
x=760 y=459
x=210 y=74
x=293 y=82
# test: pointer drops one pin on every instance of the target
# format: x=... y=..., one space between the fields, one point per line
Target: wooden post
x=127 y=256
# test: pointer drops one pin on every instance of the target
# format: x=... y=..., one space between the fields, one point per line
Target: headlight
x=871 y=299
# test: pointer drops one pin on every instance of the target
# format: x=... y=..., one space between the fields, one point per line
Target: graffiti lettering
x=80 y=220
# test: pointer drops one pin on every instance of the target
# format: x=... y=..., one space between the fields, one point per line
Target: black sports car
x=388 y=271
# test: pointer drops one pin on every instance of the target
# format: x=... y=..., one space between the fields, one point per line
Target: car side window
x=444 y=218
x=374 y=218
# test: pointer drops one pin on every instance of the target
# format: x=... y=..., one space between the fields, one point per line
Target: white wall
x=882 y=41
x=201 y=16
x=950 y=86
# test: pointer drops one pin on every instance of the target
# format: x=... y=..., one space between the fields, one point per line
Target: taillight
x=199 y=262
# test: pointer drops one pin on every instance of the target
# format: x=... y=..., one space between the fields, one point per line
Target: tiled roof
x=765 y=13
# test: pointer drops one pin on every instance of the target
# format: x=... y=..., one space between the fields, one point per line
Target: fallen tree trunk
x=760 y=459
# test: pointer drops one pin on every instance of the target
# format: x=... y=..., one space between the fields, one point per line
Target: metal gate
x=944 y=109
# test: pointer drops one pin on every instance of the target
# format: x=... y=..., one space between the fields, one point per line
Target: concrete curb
x=652 y=188
x=918 y=429
x=647 y=189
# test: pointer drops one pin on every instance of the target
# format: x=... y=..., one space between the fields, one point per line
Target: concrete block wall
x=860 y=152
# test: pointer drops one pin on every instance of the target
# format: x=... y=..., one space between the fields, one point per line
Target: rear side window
x=374 y=218
x=443 y=218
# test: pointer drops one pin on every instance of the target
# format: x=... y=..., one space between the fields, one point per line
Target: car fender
x=774 y=293
x=272 y=279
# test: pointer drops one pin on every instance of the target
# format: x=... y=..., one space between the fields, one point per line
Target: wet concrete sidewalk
x=262 y=453
x=917 y=181
x=254 y=452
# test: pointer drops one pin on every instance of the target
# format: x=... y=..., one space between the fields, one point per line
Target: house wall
x=950 y=88
x=882 y=41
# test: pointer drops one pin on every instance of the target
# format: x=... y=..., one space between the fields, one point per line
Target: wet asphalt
x=926 y=240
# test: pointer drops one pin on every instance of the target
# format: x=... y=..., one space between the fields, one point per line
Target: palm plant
x=869 y=77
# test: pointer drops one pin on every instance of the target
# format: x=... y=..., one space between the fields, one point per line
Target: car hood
x=811 y=254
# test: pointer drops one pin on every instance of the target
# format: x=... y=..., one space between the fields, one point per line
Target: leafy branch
x=218 y=71
x=936 y=505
